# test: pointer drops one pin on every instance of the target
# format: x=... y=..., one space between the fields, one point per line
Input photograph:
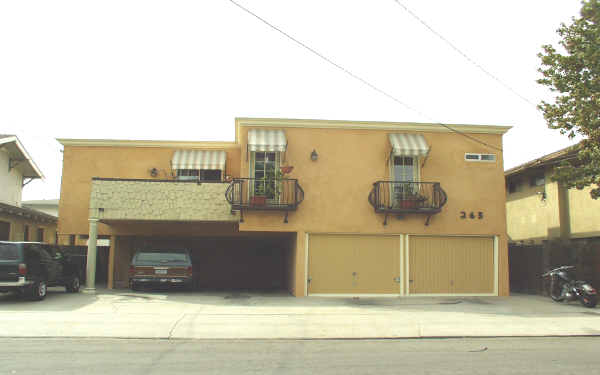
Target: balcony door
x=264 y=168
x=405 y=172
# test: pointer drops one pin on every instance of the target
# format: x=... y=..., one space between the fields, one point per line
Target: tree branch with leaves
x=574 y=76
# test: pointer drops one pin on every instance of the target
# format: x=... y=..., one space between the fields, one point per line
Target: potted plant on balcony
x=409 y=200
x=259 y=198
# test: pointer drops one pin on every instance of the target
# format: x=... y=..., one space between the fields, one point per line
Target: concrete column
x=91 y=257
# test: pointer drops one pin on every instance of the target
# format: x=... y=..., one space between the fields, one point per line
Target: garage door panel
x=331 y=264
x=474 y=266
x=451 y=265
x=429 y=271
x=377 y=264
x=353 y=264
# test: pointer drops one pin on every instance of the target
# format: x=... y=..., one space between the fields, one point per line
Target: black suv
x=28 y=268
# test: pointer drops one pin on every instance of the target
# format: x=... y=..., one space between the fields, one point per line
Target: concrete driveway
x=225 y=315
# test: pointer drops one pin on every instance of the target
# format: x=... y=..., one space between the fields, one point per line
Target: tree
x=575 y=78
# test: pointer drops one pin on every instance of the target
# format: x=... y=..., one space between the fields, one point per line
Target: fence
x=528 y=262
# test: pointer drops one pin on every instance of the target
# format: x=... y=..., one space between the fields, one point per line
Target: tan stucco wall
x=170 y=201
x=81 y=164
x=17 y=228
x=530 y=218
x=584 y=213
x=336 y=188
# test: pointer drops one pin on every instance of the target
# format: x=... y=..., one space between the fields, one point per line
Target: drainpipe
x=91 y=257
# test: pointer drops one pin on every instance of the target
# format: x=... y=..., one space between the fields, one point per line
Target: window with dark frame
x=199 y=174
x=26 y=233
x=40 y=235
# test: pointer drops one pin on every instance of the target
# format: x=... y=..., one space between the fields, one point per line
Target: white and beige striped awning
x=406 y=144
x=266 y=140
x=199 y=159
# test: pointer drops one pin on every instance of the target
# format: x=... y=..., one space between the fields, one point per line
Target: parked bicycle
x=565 y=288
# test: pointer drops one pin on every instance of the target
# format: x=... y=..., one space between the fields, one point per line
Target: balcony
x=283 y=194
x=404 y=197
x=159 y=200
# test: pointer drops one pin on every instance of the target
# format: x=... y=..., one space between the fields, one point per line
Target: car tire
x=73 y=285
x=38 y=290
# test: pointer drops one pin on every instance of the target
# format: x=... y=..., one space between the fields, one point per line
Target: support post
x=91 y=257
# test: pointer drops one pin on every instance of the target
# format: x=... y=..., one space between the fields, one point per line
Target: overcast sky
x=183 y=70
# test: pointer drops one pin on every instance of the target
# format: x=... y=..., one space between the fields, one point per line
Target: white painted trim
x=353 y=295
x=25 y=154
x=368 y=125
x=407 y=265
x=401 y=269
x=306 y=265
x=496 y=266
x=210 y=145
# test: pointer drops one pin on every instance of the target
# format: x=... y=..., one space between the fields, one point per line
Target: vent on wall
x=480 y=157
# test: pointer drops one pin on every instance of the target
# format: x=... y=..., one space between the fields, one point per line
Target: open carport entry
x=245 y=262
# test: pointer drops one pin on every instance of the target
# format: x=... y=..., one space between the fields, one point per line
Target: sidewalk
x=221 y=315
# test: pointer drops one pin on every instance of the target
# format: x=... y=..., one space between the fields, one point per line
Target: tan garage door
x=353 y=264
x=451 y=265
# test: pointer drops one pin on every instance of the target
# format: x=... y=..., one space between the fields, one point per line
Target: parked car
x=29 y=268
x=160 y=268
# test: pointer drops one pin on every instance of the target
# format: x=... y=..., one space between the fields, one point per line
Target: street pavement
x=526 y=356
x=240 y=315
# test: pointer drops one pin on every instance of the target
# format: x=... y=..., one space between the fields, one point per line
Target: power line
x=358 y=78
x=477 y=65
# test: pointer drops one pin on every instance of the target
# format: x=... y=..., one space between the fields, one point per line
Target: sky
x=184 y=70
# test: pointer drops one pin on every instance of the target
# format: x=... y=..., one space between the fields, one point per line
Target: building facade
x=315 y=207
x=18 y=223
x=540 y=209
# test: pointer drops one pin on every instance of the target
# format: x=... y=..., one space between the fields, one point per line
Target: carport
x=222 y=257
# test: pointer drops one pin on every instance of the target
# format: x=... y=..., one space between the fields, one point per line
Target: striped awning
x=199 y=159
x=405 y=144
x=266 y=140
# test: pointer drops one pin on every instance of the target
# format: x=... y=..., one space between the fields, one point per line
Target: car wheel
x=39 y=290
x=73 y=285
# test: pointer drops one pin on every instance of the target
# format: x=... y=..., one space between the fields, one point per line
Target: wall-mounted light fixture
x=313 y=155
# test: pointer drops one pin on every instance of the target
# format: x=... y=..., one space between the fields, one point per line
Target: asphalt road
x=565 y=355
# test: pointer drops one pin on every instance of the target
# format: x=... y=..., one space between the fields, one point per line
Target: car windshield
x=161 y=257
x=9 y=251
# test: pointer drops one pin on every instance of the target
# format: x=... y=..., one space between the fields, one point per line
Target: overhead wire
x=469 y=59
x=358 y=78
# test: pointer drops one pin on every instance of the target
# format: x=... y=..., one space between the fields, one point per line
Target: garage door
x=451 y=265
x=353 y=264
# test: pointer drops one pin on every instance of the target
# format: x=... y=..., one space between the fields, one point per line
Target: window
x=40 y=235
x=199 y=174
x=512 y=187
x=265 y=167
x=72 y=239
x=480 y=157
x=26 y=233
x=405 y=172
x=537 y=180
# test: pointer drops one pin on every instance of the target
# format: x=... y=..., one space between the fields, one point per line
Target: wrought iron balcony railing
x=284 y=194
x=399 y=197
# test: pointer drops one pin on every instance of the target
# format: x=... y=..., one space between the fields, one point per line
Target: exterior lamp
x=313 y=155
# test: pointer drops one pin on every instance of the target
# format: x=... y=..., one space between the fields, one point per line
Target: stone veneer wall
x=160 y=200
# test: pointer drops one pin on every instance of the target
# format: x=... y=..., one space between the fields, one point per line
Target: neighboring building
x=19 y=223
x=48 y=206
x=540 y=209
x=369 y=208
